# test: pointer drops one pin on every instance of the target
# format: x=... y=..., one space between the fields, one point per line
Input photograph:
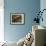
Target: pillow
x=20 y=42
x=28 y=40
x=11 y=43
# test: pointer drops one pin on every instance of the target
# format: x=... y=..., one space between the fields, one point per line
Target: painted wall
x=43 y=6
x=1 y=20
x=29 y=7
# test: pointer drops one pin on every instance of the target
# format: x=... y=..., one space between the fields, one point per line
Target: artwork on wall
x=17 y=18
x=39 y=16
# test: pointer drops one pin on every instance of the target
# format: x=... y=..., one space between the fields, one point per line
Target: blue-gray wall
x=29 y=7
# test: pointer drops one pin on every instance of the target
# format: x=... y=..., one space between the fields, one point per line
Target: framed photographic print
x=17 y=18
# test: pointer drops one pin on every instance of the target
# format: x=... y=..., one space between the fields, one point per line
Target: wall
x=43 y=6
x=1 y=20
x=29 y=7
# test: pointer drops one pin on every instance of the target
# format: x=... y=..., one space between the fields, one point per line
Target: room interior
x=17 y=20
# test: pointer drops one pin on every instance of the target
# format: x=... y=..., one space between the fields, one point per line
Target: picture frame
x=17 y=18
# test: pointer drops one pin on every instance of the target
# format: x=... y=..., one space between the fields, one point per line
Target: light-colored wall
x=43 y=6
x=29 y=7
x=1 y=20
